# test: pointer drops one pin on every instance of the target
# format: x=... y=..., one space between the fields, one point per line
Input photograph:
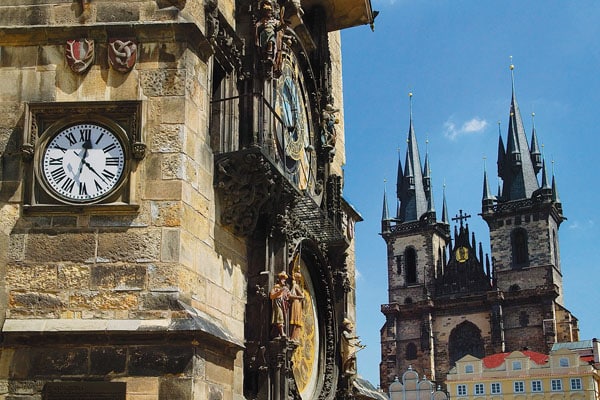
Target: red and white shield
x=79 y=54
x=122 y=54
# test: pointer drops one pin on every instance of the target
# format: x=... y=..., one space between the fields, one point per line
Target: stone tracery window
x=465 y=339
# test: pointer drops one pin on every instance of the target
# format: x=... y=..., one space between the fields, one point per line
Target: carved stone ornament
x=27 y=151
x=122 y=54
x=80 y=54
x=245 y=182
x=138 y=149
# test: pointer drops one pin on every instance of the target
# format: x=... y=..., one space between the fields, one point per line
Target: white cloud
x=576 y=225
x=357 y=273
x=474 y=125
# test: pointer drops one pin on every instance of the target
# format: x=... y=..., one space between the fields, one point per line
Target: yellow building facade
x=520 y=375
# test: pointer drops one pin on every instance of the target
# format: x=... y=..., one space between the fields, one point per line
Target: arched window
x=410 y=261
x=520 y=250
x=411 y=351
x=465 y=339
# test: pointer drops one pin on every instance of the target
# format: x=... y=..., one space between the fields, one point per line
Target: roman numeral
x=99 y=138
x=108 y=174
x=82 y=189
x=60 y=148
x=71 y=138
x=68 y=185
x=112 y=161
x=98 y=187
x=58 y=174
x=56 y=161
x=110 y=147
x=85 y=135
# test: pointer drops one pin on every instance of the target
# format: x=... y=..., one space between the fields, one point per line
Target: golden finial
x=409 y=94
x=511 y=64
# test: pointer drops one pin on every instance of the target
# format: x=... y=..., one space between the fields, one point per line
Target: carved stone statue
x=279 y=296
x=350 y=346
x=328 y=121
x=268 y=29
x=296 y=306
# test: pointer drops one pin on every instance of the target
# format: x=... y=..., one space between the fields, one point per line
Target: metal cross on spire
x=460 y=217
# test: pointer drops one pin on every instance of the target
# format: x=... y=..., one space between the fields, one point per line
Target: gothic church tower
x=446 y=299
x=524 y=220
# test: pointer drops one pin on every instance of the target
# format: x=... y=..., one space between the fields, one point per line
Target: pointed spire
x=488 y=200
x=427 y=180
x=555 y=196
x=445 y=220
x=536 y=155
x=413 y=198
x=501 y=153
x=545 y=184
x=400 y=178
x=518 y=172
x=385 y=215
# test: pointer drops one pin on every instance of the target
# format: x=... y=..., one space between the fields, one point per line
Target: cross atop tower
x=460 y=217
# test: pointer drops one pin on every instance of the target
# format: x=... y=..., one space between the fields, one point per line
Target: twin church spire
x=519 y=163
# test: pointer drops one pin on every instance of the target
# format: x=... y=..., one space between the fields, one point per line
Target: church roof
x=496 y=360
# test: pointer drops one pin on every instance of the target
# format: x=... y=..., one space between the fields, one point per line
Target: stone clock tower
x=171 y=209
x=446 y=299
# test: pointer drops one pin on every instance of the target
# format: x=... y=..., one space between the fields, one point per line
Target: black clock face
x=83 y=163
x=294 y=135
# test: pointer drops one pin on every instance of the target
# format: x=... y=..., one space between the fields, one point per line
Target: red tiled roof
x=495 y=360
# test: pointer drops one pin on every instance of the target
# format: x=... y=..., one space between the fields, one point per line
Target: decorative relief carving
x=122 y=54
x=245 y=182
x=80 y=54
x=224 y=41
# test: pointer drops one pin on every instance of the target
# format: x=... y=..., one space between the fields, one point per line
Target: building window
x=520 y=250
x=461 y=390
x=495 y=388
x=479 y=389
x=465 y=339
x=410 y=260
x=469 y=369
x=556 y=385
x=519 y=387
x=563 y=362
x=516 y=365
x=536 y=386
x=411 y=351
x=576 y=384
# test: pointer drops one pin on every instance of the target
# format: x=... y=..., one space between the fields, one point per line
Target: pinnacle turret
x=536 y=155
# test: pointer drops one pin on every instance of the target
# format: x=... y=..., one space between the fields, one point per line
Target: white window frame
x=479 y=389
x=536 y=386
x=495 y=388
x=556 y=385
x=519 y=387
x=576 y=384
x=461 y=390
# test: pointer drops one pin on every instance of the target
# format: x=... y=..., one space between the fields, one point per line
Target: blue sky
x=453 y=55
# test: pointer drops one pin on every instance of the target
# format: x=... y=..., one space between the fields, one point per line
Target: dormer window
x=563 y=362
x=517 y=366
x=469 y=369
